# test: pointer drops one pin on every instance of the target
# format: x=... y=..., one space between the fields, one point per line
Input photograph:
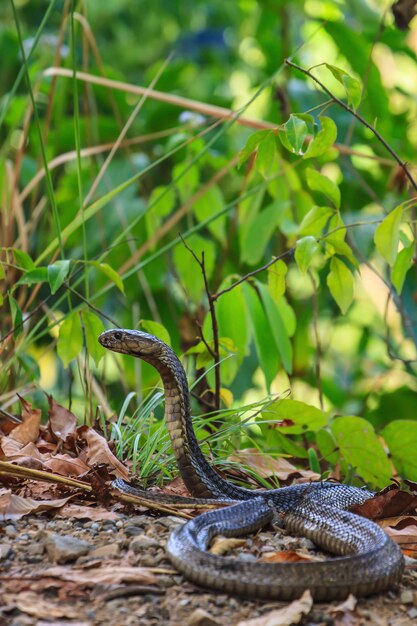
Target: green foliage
x=298 y=229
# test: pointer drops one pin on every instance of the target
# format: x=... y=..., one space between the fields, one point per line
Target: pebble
x=199 y=617
x=94 y=526
x=412 y=613
x=133 y=530
x=108 y=550
x=35 y=549
x=406 y=597
x=5 y=551
x=10 y=530
x=64 y=548
x=246 y=556
x=138 y=544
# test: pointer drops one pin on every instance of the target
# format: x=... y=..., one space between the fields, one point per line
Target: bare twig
x=362 y=120
x=216 y=296
x=215 y=327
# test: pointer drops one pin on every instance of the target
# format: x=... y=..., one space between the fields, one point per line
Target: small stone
x=35 y=549
x=95 y=526
x=406 y=597
x=132 y=531
x=5 y=551
x=107 y=551
x=246 y=556
x=139 y=520
x=64 y=548
x=412 y=613
x=138 y=544
x=199 y=617
x=10 y=530
x=119 y=524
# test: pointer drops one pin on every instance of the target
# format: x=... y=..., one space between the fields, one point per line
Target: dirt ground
x=114 y=572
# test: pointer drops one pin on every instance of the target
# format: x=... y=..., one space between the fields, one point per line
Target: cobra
x=367 y=560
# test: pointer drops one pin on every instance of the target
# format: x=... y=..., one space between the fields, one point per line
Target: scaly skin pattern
x=368 y=562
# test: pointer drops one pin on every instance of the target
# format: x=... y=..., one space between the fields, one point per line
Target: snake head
x=134 y=342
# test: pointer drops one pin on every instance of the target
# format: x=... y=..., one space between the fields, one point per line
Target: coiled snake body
x=368 y=560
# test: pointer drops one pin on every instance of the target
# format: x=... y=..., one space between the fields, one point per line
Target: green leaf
x=17 y=317
x=305 y=250
x=402 y=264
x=387 y=235
x=252 y=143
x=38 y=275
x=110 y=273
x=188 y=269
x=315 y=220
x=279 y=331
x=208 y=204
x=352 y=85
x=161 y=202
x=267 y=153
x=318 y=182
x=70 y=339
x=57 y=273
x=233 y=323
x=263 y=225
x=189 y=180
x=361 y=448
x=93 y=327
x=2 y=274
x=342 y=248
x=262 y=334
x=401 y=438
x=295 y=418
x=323 y=140
x=295 y=132
x=314 y=461
x=276 y=279
x=23 y=260
x=157 y=329
x=340 y=282
x=327 y=446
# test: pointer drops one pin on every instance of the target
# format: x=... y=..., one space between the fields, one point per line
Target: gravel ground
x=114 y=571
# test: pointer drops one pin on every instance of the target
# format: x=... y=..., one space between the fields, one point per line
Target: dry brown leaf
x=103 y=576
x=28 y=430
x=344 y=613
x=287 y=556
x=87 y=512
x=406 y=537
x=399 y=522
x=389 y=503
x=223 y=545
x=266 y=466
x=10 y=447
x=15 y=507
x=66 y=465
x=291 y=614
x=99 y=452
x=33 y=604
x=61 y=421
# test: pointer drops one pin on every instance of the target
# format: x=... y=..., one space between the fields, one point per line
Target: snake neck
x=199 y=477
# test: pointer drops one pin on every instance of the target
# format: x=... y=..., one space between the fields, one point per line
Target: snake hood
x=133 y=342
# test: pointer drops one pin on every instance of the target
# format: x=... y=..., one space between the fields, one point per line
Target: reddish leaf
x=66 y=465
x=266 y=466
x=61 y=421
x=15 y=507
x=98 y=453
x=28 y=430
x=287 y=556
x=388 y=503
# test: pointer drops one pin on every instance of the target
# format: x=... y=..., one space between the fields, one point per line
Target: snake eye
x=117 y=335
